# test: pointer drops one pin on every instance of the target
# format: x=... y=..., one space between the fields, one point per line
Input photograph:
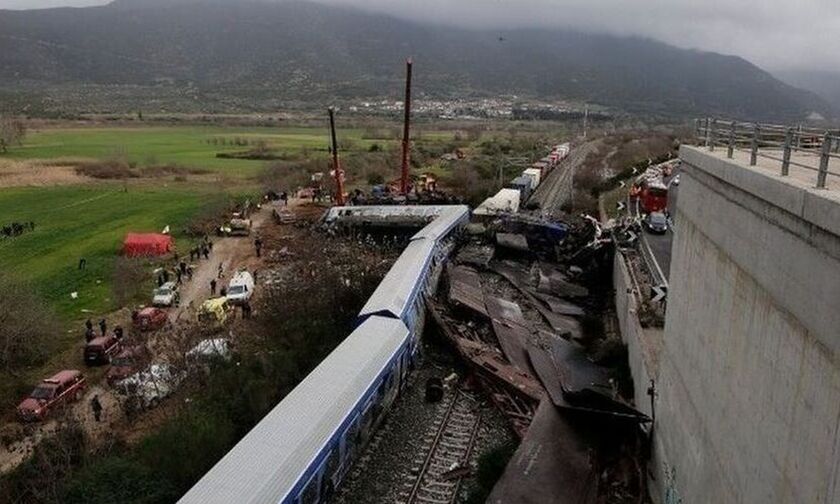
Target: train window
x=310 y=492
x=351 y=439
x=333 y=461
x=364 y=425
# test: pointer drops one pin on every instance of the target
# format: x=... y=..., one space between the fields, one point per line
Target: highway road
x=660 y=245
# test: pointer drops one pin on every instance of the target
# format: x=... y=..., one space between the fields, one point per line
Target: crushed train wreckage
x=522 y=303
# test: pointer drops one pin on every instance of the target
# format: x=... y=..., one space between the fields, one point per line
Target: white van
x=240 y=288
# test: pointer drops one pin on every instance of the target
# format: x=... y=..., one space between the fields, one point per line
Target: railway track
x=445 y=458
x=557 y=188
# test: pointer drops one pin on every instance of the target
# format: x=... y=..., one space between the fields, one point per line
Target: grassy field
x=72 y=222
x=189 y=146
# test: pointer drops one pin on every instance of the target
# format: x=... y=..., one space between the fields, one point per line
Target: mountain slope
x=308 y=52
x=825 y=84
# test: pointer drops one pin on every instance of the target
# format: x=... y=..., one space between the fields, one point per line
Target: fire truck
x=653 y=195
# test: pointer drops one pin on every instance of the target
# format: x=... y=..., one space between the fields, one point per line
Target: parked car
x=100 y=350
x=146 y=389
x=149 y=319
x=214 y=311
x=126 y=363
x=209 y=349
x=240 y=288
x=166 y=295
x=56 y=391
x=656 y=223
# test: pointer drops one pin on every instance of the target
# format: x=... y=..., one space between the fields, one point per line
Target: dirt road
x=233 y=253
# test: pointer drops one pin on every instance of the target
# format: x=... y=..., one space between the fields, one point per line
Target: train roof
x=449 y=217
x=426 y=211
x=266 y=464
x=392 y=295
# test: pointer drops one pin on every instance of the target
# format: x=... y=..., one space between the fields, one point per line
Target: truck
x=100 y=350
x=653 y=196
x=241 y=288
x=55 y=391
x=237 y=226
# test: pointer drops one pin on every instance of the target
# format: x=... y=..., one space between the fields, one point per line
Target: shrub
x=109 y=169
x=39 y=478
x=129 y=280
x=27 y=325
x=117 y=479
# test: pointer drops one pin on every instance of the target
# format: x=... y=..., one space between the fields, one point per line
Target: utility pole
x=406 y=142
x=339 y=173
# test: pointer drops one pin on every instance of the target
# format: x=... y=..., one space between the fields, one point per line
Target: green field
x=72 y=222
x=189 y=146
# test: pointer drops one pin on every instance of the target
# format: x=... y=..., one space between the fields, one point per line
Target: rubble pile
x=524 y=304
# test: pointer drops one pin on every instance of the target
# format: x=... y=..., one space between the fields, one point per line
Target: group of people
x=16 y=229
x=282 y=196
x=203 y=249
x=181 y=271
x=90 y=333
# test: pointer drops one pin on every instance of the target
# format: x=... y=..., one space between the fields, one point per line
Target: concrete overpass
x=746 y=380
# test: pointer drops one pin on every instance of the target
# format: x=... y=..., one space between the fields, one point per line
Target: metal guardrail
x=776 y=142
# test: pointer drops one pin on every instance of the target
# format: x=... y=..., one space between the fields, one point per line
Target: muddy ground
x=18 y=440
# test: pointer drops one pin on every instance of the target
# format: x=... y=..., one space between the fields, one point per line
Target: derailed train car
x=301 y=451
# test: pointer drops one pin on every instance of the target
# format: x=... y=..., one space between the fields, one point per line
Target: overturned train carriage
x=301 y=451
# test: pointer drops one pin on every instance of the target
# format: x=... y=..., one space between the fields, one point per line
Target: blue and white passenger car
x=301 y=451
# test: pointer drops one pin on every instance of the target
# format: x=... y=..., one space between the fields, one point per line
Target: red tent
x=147 y=244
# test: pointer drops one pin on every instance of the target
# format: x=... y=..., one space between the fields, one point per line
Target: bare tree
x=129 y=279
x=12 y=132
x=26 y=326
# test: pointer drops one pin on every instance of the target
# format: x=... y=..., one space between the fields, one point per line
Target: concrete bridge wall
x=748 y=393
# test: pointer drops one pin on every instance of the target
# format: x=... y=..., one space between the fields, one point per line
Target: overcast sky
x=775 y=34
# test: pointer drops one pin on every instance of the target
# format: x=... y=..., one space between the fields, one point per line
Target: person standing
x=258 y=246
x=96 y=406
x=213 y=287
x=221 y=270
x=103 y=327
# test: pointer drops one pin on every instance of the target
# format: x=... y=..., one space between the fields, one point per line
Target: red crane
x=339 y=173
x=406 y=129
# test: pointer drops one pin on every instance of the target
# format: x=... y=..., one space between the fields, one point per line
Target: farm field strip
x=72 y=222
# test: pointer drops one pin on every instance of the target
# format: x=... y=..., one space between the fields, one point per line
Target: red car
x=126 y=363
x=100 y=350
x=53 y=392
x=149 y=319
